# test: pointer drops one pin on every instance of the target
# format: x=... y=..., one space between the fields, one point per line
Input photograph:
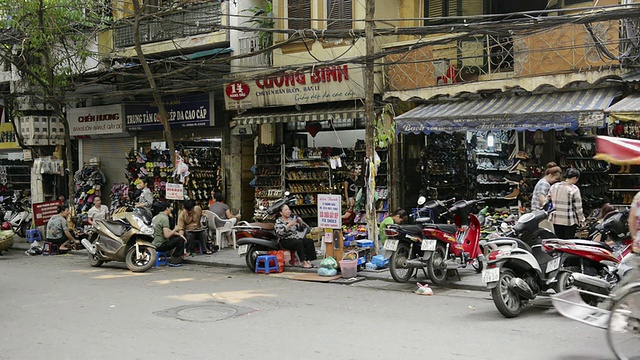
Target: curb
x=22 y=246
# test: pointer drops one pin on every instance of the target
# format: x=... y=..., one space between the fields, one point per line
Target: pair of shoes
x=174 y=265
x=209 y=252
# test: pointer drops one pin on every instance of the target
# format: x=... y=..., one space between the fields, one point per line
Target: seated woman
x=286 y=228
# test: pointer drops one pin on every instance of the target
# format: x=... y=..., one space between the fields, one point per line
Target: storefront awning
x=556 y=111
x=627 y=109
x=311 y=114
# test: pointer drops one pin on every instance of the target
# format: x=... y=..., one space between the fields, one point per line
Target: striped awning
x=311 y=114
x=627 y=109
x=557 y=111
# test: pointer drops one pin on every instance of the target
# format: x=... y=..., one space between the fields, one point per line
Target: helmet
x=6 y=225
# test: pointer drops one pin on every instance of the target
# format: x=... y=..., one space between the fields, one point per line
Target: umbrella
x=617 y=150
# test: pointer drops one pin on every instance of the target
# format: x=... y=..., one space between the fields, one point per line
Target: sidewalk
x=229 y=257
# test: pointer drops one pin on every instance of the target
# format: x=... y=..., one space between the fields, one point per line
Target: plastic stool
x=263 y=264
x=33 y=235
x=200 y=250
x=161 y=258
x=50 y=248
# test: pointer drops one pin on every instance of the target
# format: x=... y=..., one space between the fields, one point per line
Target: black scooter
x=259 y=238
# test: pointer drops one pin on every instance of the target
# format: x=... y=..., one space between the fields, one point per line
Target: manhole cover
x=205 y=312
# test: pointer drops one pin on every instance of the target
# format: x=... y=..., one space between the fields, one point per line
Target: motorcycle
x=255 y=239
x=437 y=247
x=518 y=271
x=19 y=216
x=128 y=239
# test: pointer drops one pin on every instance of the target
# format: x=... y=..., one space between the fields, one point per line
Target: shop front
x=497 y=148
x=310 y=135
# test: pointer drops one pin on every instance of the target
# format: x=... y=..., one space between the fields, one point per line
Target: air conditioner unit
x=242 y=130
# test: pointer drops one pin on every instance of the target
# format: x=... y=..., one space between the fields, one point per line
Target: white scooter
x=19 y=216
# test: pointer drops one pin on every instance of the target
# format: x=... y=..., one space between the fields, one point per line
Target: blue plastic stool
x=50 y=248
x=263 y=264
x=161 y=258
x=33 y=235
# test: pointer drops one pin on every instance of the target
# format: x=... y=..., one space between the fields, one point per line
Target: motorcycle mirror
x=422 y=200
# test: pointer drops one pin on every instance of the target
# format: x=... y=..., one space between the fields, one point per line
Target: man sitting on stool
x=58 y=231
x=190 y=225
x=166 y=239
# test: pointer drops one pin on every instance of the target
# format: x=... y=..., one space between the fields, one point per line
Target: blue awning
x=561 y=110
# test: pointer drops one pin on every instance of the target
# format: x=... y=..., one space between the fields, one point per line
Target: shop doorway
x=411 y=182
x=247 y=175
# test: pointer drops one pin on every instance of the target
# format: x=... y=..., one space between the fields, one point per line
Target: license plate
x=491 y=275
x=553 y=264
x=242 y=249
x=428 y=245
x=391 y=245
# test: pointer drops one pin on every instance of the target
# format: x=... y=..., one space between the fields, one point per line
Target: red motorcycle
x=437 y=247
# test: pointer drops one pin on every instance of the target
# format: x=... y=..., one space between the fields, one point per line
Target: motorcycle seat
x=448 y=228
x=115 y=227
x=411 y=229
x=591 y=243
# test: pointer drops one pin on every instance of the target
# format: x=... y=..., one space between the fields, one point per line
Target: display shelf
x=269 y=166
x=624 y=190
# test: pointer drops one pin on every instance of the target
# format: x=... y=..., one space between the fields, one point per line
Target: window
x=340 y=14
x=575 y=2
x=440 y=8
x=299 y=14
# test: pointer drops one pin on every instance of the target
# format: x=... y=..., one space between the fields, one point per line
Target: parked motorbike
x=255 y=239
x=128 y=239
x=19 y=215
x=519 y=271
x=437 y=247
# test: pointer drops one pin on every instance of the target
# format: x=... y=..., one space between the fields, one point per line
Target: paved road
x=60 y=308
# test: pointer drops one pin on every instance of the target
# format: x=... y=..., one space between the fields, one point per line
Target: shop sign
x=95 y=120
x=174 y=192
x=44 y=211
x=317 y=85
x=329 y=211
x=184 y=112
x=8 y=136
x=591 y=119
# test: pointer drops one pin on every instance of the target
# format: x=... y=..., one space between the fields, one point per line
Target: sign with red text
x=95 y=120
x=317 y=85
x=174 y=192
x=44 y=211
x=329 y=211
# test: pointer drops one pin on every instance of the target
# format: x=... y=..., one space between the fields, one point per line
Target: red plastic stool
x=50 y=248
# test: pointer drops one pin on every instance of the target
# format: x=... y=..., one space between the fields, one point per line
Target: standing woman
x=145 y=200
x=350 y=188
x=567 y=201
x=540 y=196
x=287 y=227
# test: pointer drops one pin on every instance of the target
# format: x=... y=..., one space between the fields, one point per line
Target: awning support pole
x=370 y=123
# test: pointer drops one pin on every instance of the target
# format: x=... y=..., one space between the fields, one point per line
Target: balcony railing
x=192 y=20
x=251 y=44
x=565 y=49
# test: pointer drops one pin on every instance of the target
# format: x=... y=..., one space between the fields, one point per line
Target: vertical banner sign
x=44 y=211
x=329 y=211
x=174 y=192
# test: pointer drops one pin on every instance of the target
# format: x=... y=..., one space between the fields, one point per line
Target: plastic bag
x=329 y=263
x=327 y=272
x=424 y=290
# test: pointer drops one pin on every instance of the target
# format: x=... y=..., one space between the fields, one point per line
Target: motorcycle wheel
x=563 y=283
x=399 y=273
x=22 y=229
x=94 y=261
x=624 y=326
x=250 y=257
x=507 y=301
x=140 y=265
x=435 y=266
x=477 y=265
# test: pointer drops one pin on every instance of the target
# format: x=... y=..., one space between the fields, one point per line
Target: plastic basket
x=349 y=267
x=380 y=261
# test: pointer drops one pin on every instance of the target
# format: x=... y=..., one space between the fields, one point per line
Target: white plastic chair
x=227 y=228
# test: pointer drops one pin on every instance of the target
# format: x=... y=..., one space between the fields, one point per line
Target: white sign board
x=329 y=211
x=174 y=192
x=317 y=85
x=95 y=120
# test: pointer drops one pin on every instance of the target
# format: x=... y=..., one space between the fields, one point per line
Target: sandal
x=209 y=252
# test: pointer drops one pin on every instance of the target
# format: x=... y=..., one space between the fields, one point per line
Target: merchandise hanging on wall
x=88 y=184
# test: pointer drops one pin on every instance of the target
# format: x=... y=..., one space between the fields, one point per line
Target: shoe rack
x=382 y=185
x=307 y=175
x=269 y=176
x=88 y=184
x=625 y=179
x=15 y=172
x=575 y=149
x=155 y=165
x=443 y=164
x=204 y=169
x=498 y=168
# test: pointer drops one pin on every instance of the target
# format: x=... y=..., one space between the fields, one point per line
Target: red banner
x=44 y=211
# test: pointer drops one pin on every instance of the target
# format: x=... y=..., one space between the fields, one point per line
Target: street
x=58 y=307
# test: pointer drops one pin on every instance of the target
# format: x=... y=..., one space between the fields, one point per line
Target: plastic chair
x=263 y=264
x=227 y=228
x=161 y=258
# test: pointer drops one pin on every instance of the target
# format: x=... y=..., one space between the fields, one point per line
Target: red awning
x=617 y=150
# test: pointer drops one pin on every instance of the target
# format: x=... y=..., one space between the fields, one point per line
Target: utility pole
x=370 y=176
